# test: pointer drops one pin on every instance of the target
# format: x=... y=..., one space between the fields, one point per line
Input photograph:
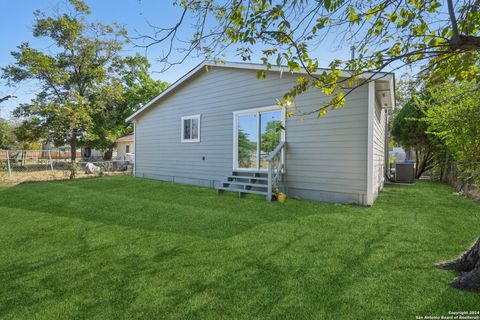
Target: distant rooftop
x=127 y=138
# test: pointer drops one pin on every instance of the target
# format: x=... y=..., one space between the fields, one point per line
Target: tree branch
x=6 y=98
x=453 y=20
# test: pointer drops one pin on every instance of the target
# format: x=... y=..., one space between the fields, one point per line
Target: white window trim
x=235 y=133
x=198 y=118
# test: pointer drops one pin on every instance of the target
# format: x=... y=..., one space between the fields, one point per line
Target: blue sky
x=135 y=15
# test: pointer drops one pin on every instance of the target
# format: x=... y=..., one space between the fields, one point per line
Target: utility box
x=405 y=172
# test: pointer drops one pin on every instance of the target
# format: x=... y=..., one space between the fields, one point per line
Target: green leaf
x=261 y=74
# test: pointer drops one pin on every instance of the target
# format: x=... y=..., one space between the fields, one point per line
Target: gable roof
x=384 y=76
x=127 y=138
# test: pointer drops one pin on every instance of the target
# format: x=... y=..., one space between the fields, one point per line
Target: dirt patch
x=33 y=176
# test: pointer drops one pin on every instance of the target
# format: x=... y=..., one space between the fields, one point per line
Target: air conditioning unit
x=405 y=172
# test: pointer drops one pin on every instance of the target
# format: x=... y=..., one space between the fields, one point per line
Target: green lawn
x=120 y=247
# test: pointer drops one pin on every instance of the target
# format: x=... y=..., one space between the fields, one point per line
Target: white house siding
x=379 y=127
x=122 y=148
x=326 y=157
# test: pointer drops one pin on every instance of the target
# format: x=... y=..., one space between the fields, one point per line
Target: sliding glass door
x=257 y=133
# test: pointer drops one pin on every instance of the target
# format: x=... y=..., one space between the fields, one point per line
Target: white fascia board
x=344 y=74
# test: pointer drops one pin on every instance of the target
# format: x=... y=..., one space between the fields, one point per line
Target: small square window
x=191 y=128
x=127 y=149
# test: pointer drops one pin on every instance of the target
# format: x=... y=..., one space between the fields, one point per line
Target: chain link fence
x=17 y=166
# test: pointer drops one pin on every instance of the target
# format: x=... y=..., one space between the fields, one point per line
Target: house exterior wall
x=92 y=154
x=326 y=157
x=122 y=149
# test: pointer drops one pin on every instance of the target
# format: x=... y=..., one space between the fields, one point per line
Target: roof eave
x=238 y=65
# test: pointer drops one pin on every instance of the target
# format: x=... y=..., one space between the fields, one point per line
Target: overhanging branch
x=6 y=98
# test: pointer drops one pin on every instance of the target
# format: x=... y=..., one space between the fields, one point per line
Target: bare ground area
x=44 y=175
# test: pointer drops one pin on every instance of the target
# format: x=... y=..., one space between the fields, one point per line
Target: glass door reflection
x=247 y=141
x=270 y=134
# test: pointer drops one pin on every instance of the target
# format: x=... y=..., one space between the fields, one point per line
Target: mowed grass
x=124 y=248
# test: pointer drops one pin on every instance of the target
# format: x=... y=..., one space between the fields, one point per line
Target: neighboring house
x=125 y=145
x=47 y=145
x=217 y=126
x=92 y=154
x=84 y=153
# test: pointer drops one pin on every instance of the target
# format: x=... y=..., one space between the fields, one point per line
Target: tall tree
x=411 y=132
x=454 y=117
x=74 y=75
x=440 y=37
x=137 y=88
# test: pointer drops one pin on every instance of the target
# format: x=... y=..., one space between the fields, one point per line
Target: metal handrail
x=275 y=167
x=277 y=149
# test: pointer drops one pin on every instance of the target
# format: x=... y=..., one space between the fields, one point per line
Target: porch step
x=248 y=178
x=249 y=174
x=241 y=191
x=245 y=182
x=247 y=185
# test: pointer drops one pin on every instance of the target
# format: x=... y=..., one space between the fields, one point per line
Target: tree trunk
x=424 y=162
x=107 y=156
x=468 y=265
x=445 y=171
x=73 y=154
x=420 y=164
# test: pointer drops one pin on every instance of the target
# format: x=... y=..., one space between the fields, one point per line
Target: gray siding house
x=219 y=126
